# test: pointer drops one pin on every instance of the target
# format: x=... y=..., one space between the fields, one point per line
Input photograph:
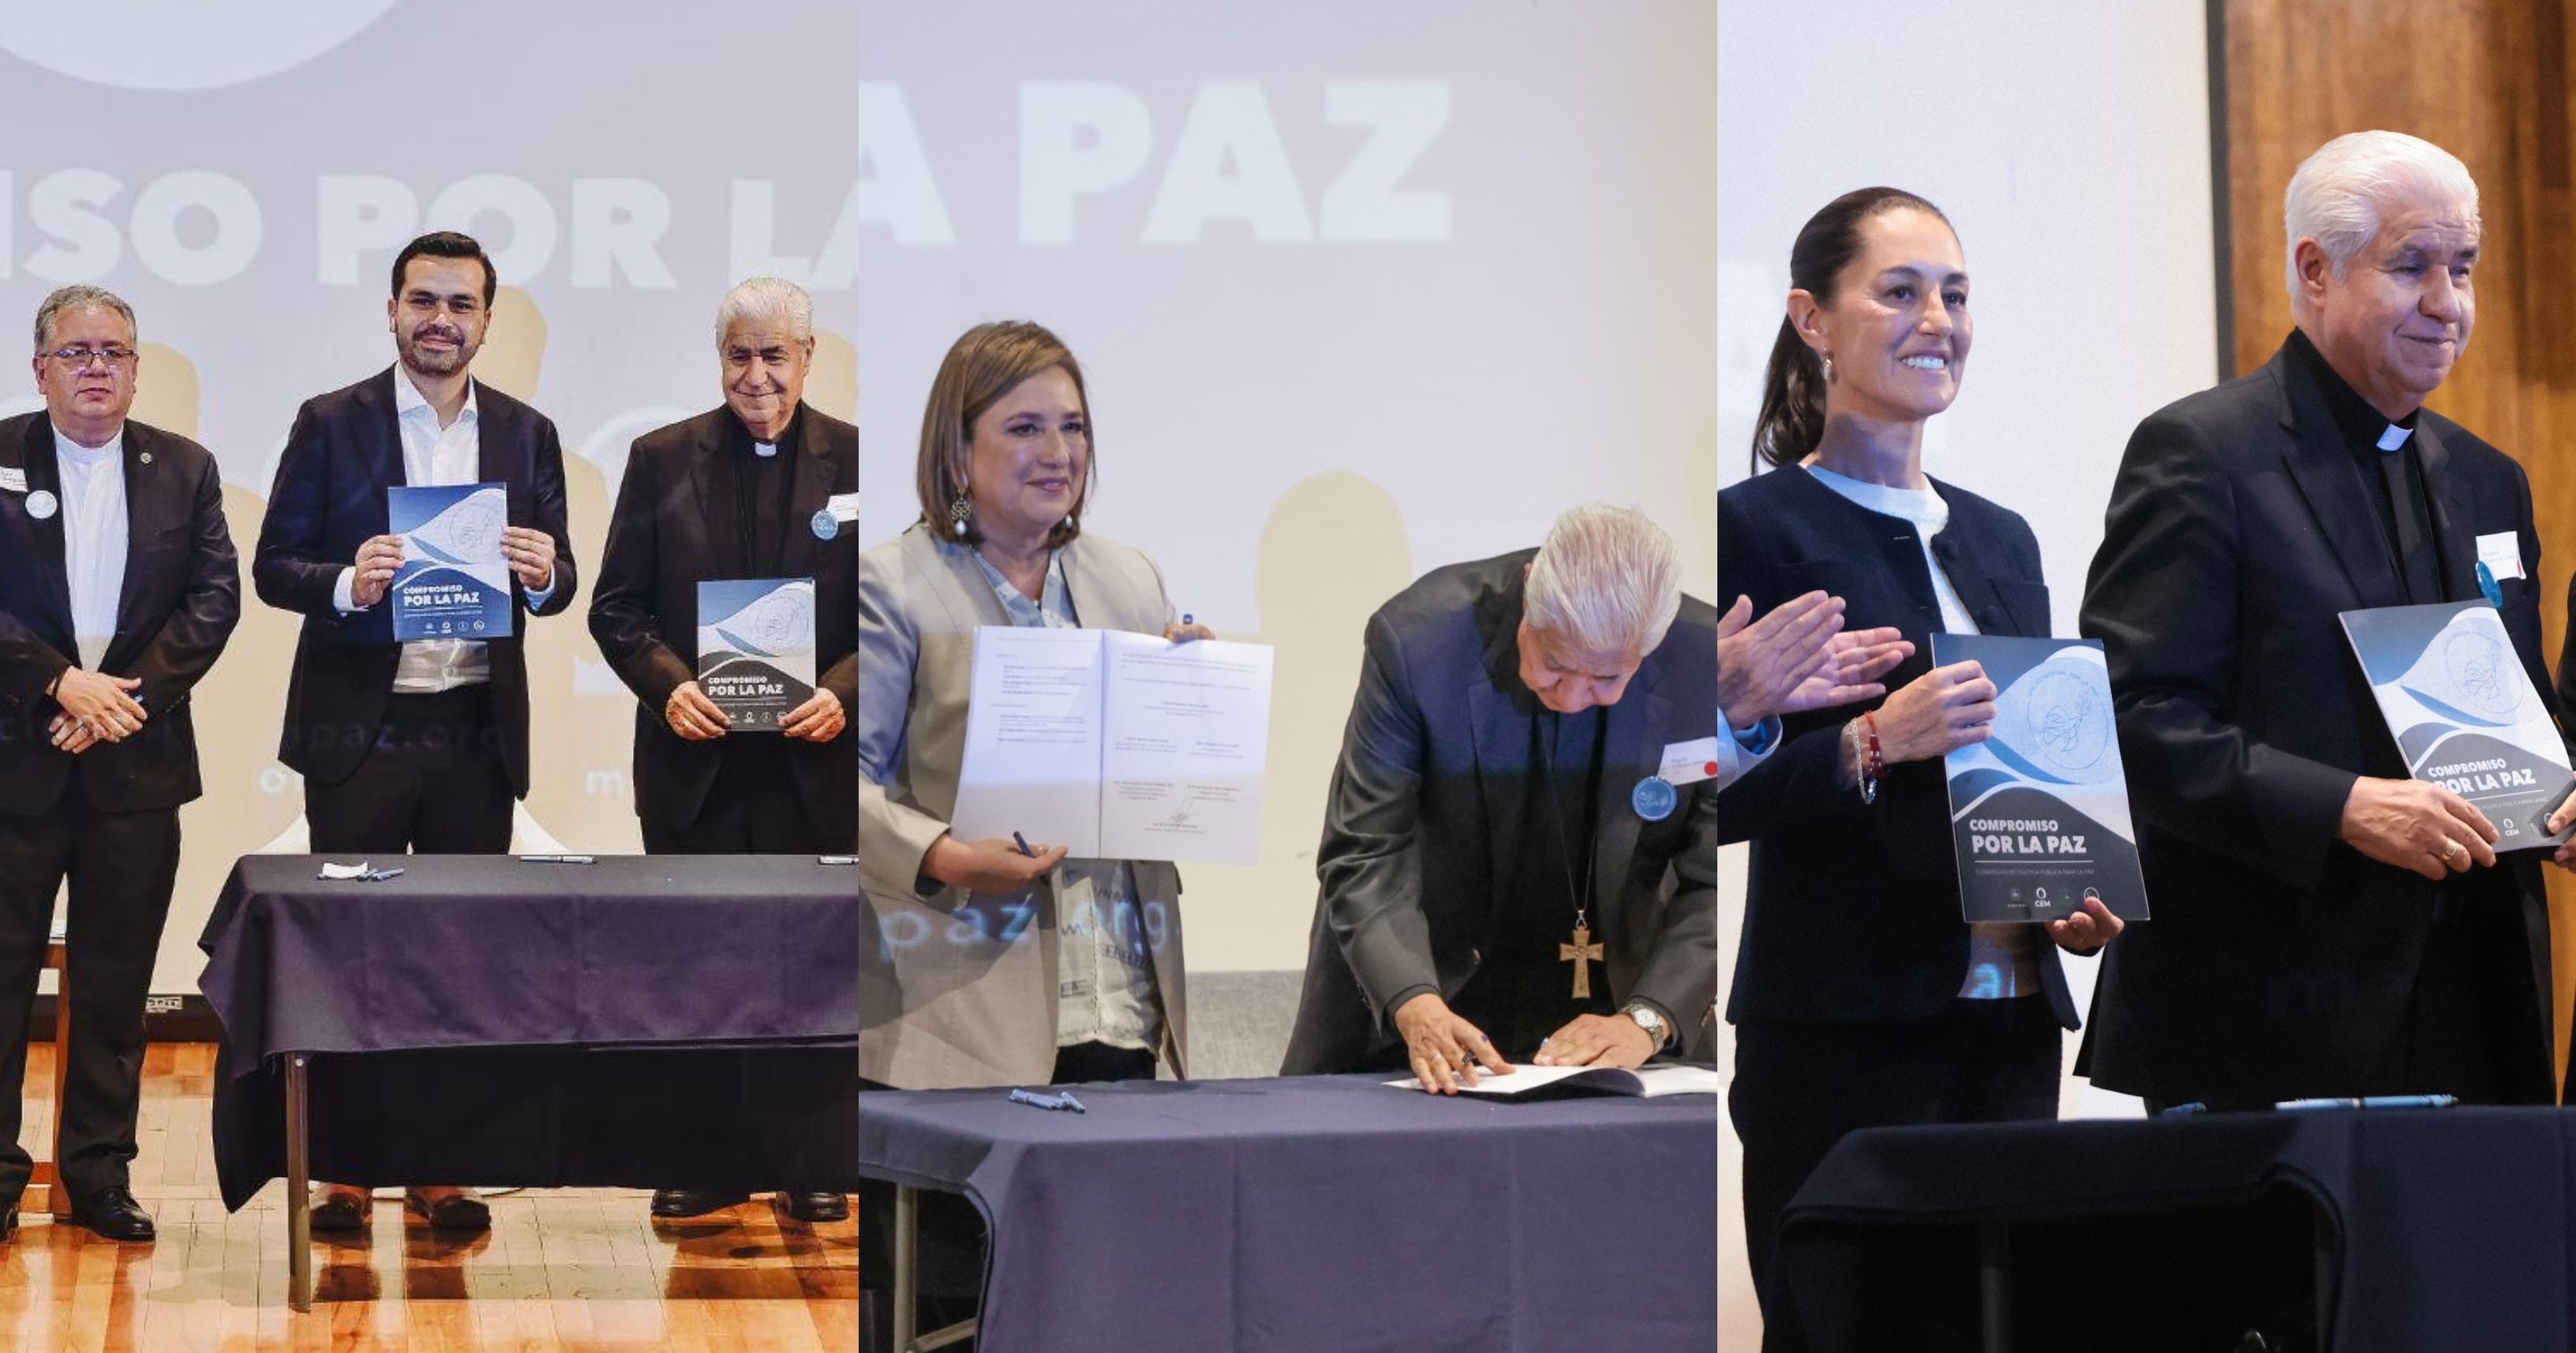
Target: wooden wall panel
x=2487 y=80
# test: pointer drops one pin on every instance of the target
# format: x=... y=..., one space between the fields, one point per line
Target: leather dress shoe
x=693 y=1202
x=449 y=1211
x=112 y=1214
x=8 y=1221
x=812 y=1207
x=342 y=1213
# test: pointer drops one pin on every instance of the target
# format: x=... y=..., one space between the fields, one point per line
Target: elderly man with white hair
x=2324 y=925
x=1524 y=807
x=764 y=486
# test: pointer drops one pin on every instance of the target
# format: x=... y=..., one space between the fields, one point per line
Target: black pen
x=1024 y=845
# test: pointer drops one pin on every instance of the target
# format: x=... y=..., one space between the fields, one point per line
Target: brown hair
x=986 y=363
x=1792 y=420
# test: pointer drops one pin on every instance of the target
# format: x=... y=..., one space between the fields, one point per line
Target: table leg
x=299 y=1181
x=907 y=1249
x=1994 y=1284
x=2326 y=1275
x=907 y=1283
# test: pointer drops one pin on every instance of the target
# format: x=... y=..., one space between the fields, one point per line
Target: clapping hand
x=1850 y=675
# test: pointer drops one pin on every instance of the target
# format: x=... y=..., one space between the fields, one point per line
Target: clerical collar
x=767 y=450
x=2363 y=425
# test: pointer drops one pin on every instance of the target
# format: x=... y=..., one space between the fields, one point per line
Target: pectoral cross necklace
x=1583 y=953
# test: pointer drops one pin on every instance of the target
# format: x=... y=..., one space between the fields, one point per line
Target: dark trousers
x=2473 y=1025
x=121 y=866
x=432 y=783
x=952 y=1233
x=1800 y=1087
x=754 y=808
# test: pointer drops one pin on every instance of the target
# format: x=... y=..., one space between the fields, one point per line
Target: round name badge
x=41 y=504
x=2487 y=584
x=1654 y=798
x=826 y=525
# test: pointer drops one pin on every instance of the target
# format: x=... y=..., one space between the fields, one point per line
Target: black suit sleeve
x=2162 y=598
x=28 y=664
x=1370 y=864
x=1800 y=786
x=288 y=569
x=624 y=615
x=193 y=634
x=1680 y=973
x=551 y=518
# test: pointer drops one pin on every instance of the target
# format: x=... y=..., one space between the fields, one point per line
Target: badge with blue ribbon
x=1655 y=798
x=2487 y=584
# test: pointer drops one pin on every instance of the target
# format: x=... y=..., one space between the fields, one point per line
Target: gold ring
x=2451 y=848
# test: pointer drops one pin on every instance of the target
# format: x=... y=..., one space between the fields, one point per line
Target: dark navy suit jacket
x=1853 y=910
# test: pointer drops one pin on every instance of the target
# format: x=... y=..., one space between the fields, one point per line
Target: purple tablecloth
x=518 y=998
x=1285 y=1216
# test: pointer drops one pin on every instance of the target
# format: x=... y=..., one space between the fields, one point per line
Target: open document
x=1650 y=1082
x=2464 y=712
x=1116 y=745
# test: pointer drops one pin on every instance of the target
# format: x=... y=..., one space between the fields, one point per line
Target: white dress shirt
x=94 y=539
x=435 y=457
x=1741 y=749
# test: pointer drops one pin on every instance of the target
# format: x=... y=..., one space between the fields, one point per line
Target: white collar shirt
x=435 y=456
x=95 y=534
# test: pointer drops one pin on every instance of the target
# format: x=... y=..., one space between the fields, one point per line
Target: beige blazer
x=959 y=989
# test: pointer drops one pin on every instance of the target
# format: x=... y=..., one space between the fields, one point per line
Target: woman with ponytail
x=1861 y=998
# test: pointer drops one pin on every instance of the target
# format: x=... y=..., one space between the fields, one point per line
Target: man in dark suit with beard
x=119 y=594
x=418 y=746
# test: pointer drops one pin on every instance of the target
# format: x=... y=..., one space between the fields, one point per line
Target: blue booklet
x=756 y=649
x=2464 y=712
x=2039 y=811
x=454 y=582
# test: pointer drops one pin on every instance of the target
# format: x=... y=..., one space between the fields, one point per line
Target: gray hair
x=767 y=300
x=1607 y=580
x=74 y=297
x=2336 y=196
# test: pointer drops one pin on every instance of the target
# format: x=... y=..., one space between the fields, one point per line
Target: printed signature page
x=1188 y=738
x=1033 y=740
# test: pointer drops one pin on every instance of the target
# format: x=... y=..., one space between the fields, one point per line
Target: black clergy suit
x=1424 y=827
x=1846 y=997
x=2282 y=962
x=679 y=516
x=109 y=816
x=344 y=452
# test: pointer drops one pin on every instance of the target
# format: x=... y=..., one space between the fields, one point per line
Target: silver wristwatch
x=1654 y=1025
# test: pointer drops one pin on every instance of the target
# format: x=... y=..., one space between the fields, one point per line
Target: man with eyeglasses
x=419 y=746
x=118 y=592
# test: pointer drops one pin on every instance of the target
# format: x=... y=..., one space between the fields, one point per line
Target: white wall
x=2069 y=144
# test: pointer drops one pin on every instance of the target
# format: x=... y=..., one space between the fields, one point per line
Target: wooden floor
x=576 y=1269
